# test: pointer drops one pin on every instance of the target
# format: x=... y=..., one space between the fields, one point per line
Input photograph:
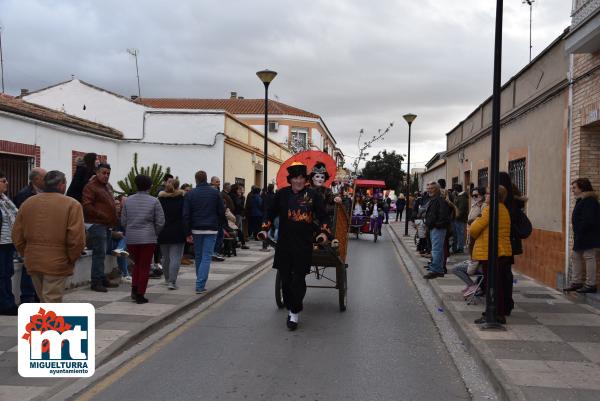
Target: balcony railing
x=583 y=9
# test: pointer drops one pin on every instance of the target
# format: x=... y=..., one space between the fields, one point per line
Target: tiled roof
x=232 y=106
x=18 y=106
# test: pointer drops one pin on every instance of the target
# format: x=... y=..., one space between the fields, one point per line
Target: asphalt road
x=384 y=347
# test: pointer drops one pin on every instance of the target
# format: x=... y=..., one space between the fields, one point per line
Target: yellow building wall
x=243 y=155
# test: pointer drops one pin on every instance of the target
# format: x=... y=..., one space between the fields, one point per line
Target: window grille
x=482 y=178
x=517 y=170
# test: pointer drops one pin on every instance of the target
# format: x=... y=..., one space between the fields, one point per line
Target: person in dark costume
x=297 y=207
x=318 y=177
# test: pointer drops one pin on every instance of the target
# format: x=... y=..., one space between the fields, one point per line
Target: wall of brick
x=16 y=148
x=585 y=144
x=75 y=155
x=543 y=255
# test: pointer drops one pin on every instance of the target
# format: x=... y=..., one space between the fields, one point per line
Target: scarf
x=8 y=209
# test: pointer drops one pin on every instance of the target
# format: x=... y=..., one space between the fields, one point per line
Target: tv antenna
x=1 y=60
x=134 y=53
x=530 y=3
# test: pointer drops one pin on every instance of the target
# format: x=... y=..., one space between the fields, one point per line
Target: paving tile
x=568 y=319
x=559 y=394
x=462 y=306
x=534 y=350
x=8 y=331
x=522 y=332
x=452 y=288
x=581 y=375
x=114 y=325
x=577 y=334
x=519 y=298
x=104 y=338
x=21 y=393
x=590 y=350
x=130 y=308
x=8 y=342
x=174 y=297
x=553 y=308
x=88 y=295
x=8 y=321
x=116 y=317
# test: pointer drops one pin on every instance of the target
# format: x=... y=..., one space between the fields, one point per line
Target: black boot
x=140 y=299
x=587 y=290
x=573 y=287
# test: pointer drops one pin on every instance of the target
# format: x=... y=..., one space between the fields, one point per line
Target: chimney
x=134 y=97
x=233 y=95
x=240 y=97
x=24 y=92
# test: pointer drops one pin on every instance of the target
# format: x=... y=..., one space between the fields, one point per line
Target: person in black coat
x=298 y=207
x=86 y=169
x=586 y=237
x=173 y=235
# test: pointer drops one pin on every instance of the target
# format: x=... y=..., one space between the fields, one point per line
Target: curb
x=120 y=346
x=476 y=348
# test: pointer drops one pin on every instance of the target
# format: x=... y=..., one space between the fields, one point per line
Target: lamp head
x=410 y=118
x=266 y=76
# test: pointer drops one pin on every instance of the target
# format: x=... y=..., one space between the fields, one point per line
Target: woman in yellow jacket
x=480 y=231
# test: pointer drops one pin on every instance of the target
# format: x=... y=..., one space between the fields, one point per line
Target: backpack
x=522 y=224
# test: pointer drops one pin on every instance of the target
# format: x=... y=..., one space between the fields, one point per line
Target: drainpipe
x=568 y=170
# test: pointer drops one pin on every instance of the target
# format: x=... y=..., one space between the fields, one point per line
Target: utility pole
x=134 y=53
x=530 y=3
x=1 y=60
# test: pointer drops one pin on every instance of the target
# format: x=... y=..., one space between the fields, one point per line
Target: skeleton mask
x=318 y=179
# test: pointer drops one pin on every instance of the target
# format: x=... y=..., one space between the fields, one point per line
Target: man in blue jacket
x=203 y=212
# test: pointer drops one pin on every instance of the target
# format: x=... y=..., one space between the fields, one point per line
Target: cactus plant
x=155 y=172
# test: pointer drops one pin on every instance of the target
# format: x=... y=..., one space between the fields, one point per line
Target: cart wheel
x=278 y=293
x=342 y=284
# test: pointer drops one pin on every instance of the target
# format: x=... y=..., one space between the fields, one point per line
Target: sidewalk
x=121 y=322
x=550 y=349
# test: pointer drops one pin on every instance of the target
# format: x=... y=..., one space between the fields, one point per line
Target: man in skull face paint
x=297 y=206
x=318 y=177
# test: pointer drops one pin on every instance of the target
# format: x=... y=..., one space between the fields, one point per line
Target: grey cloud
x=358 y=64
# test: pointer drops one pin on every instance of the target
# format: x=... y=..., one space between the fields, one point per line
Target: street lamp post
x=409 y=119
x=266 y=76
x=491 y=321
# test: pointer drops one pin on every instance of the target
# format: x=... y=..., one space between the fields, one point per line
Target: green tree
x=155 y=172
x=387 y=167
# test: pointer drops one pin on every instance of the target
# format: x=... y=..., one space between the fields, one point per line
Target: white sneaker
x=172 y=286
x=127 y=279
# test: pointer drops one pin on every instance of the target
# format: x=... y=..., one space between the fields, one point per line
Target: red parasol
x=309 y=158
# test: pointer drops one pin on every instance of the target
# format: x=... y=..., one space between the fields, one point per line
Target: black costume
x=297 y=213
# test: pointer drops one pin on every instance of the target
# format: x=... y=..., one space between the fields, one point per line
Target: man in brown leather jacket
x=99 y=213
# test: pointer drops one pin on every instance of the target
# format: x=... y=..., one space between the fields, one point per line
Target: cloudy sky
x=358 y=64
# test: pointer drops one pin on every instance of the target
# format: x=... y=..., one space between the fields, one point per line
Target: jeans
x=458 y=230
x=97 y=241
x=204 y=245
x=460 y=270
x=7 y=269
x=219 y=240
x=171 y=260
x=584 y=267
x=438 y=236
x=121 y=260
x=28 y=293
x=399 y=212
